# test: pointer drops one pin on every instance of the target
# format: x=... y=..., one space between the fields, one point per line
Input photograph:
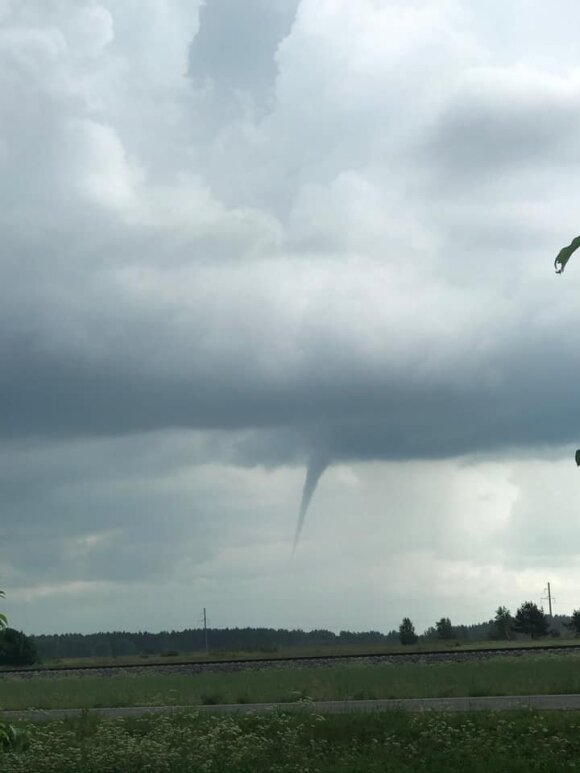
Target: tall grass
x=503 y=676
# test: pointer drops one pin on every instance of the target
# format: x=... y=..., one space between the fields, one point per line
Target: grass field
x=297 y=652
x=541 y=674
x=385 y=743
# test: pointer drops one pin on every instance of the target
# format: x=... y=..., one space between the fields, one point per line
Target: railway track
x=306 y=661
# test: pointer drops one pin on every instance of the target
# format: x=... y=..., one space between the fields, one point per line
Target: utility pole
x=205 y=630
x=548 y=592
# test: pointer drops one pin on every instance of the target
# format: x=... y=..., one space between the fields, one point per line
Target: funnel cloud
x=316 y=467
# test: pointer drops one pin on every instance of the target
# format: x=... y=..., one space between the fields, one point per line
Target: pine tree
x=444 y=628
x=502 y=623
x=407 y=633
x=574 y=624
x=531 y=620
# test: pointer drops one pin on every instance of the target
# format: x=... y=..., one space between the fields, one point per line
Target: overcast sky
x=242 y=237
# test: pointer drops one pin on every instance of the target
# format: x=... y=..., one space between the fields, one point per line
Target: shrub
x=16 y=649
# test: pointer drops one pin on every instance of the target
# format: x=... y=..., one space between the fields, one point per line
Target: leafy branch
x=565 y=254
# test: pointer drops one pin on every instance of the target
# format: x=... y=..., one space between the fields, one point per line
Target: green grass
x=542 y=674
x=378 y=743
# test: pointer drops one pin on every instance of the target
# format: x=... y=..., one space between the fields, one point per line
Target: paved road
x=499 y=703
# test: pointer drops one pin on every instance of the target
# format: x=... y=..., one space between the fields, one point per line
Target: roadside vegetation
x=511 y=743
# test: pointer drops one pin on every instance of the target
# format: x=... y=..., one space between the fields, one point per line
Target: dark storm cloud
x=504 y=399
x=361 y=268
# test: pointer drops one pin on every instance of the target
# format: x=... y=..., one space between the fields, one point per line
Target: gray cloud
x=236 y=45
x=506 y=121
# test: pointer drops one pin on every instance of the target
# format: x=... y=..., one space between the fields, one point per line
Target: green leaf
x=578 y=457
x=11 y=737
x=565 y=254
x=3 y=621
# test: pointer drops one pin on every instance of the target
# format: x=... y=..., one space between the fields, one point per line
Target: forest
x=267 y=640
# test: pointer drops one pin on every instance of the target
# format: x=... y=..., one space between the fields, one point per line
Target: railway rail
x=304 y=661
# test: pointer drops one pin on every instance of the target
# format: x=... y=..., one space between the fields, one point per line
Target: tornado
x=316 y=466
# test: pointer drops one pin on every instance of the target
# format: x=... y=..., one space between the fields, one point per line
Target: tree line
x=267 y=640
x=529 y=620
x=124 y=643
